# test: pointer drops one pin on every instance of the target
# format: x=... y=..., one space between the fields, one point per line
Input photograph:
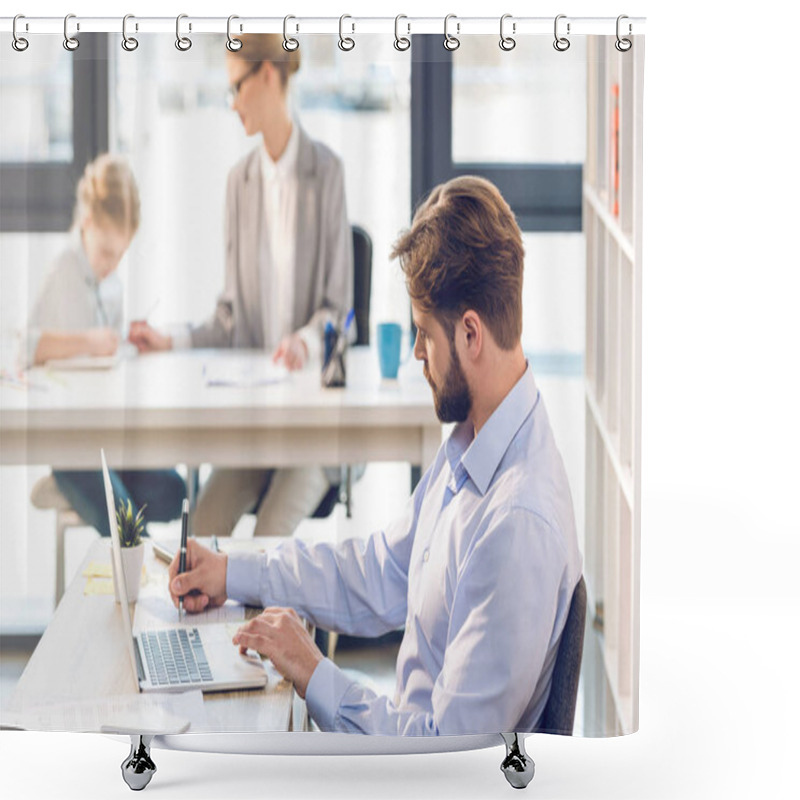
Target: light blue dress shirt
x=480 y=570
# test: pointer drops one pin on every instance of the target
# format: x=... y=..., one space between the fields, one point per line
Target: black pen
x=182 y=562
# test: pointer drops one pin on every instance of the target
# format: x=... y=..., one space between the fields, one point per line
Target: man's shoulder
x=531 y=479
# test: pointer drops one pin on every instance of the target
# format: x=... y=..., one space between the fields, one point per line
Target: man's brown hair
x=464 y=251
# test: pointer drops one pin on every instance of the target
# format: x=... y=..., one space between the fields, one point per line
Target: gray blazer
x=323 y=250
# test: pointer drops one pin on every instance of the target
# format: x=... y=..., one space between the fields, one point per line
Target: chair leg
x=333 y=639
x=348 y=487
x=61 y=528
x=518 y=766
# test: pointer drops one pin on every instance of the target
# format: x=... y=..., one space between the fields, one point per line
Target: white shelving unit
x=612 y=214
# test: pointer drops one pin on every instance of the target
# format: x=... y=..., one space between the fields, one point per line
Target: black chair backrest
x=559 y=712
x=362 y=282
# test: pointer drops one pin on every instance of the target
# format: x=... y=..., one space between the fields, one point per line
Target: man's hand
x=280 y=635
x=148 y=339
x=292 y=351
x=205 y=574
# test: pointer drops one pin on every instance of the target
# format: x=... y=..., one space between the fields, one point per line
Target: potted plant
x=130 y=528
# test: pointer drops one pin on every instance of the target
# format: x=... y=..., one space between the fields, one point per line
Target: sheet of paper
x=243 y=372
x=156 y=713
x=97 y=569
x=96 y=585
x=99 y=578
x=154 y=609
x=84 y=362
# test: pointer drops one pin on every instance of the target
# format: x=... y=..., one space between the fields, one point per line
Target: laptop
x=178 y=659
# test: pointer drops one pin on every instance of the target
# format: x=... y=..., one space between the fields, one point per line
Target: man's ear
x=473 y=333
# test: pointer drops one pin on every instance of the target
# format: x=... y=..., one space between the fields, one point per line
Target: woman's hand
x=148 y=339
x=292 y=351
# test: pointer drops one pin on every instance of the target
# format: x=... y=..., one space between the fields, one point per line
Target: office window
x=527 y=105
x=35 y=94
x=535 y=157
x=54 y=110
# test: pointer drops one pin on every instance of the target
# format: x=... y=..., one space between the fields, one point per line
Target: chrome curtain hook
x=561 y=43
x=234 y=45
x=128 y=42
x=183 y=43
x=623 y=45
x=19 y=43
x=70 y=42
x=345 y=42
x=401 y=43
x=451 y=42
x=507 y=42
x=289 y=44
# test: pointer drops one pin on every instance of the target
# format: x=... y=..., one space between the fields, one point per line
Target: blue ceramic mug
x=390 y=338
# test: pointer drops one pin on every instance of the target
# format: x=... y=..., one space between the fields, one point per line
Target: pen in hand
x=182 y=562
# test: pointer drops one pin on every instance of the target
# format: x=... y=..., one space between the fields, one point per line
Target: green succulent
x=130 y=527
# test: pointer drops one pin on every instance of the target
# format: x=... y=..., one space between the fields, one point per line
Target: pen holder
x=334 y=374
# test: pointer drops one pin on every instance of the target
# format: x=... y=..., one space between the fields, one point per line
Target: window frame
x=544 y=197
x=40 y=197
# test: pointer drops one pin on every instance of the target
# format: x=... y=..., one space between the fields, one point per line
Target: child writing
x=79 y=312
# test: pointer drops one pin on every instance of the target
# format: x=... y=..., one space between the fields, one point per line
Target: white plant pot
x=132 y=560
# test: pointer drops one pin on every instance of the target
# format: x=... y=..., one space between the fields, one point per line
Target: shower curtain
x=553 y=122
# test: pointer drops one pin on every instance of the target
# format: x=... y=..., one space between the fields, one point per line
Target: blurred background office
x=167 y=112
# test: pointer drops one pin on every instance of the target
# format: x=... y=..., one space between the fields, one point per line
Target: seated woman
x=79 y=312
x=288 y=271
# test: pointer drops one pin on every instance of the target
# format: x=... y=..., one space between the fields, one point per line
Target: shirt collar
x=481 y=455
x=287 y=163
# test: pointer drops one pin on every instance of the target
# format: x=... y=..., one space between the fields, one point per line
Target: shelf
x=623 y=706
x=610 y=222
x=624 y=475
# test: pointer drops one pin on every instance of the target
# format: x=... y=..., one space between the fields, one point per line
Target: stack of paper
x=157 y=713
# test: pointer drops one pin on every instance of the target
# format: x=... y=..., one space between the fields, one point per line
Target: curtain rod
x=461 y=26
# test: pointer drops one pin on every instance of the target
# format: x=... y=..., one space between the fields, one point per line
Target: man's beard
x=453 y=400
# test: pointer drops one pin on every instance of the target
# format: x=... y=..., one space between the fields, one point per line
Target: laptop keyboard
x=175 y=657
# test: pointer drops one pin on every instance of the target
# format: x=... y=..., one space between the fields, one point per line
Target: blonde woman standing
x=288 y=271
x=79 y=312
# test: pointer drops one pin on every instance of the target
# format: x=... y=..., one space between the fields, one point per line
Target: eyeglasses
x=235 y=88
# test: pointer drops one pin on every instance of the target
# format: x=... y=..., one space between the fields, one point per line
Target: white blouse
x=71 y=298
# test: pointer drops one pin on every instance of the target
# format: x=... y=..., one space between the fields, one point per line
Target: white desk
x=83 y=656
x=156 y=410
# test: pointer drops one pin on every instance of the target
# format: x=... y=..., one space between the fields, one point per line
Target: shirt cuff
x=310 y=336
x=26 y=351
x=324 y=693
x=181 y=337
x=243 y=578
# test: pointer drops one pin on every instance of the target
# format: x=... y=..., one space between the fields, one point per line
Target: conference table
x=160 y=409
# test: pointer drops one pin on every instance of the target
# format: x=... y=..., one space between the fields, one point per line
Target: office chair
x=46 y=496
x=362 y=285
x=559 y=712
